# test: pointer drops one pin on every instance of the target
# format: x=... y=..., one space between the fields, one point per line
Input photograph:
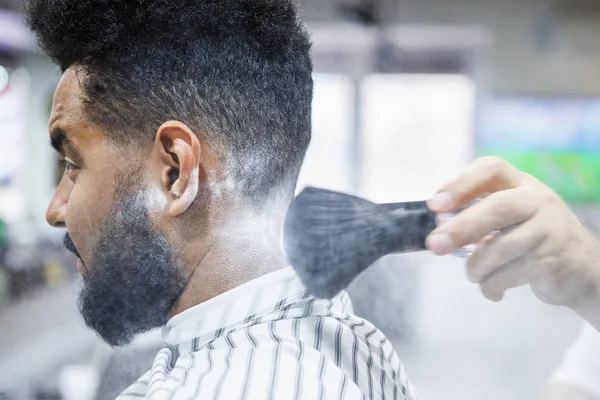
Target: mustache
x=68 y=242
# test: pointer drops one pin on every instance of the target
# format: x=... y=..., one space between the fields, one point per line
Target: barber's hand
x=538 y=240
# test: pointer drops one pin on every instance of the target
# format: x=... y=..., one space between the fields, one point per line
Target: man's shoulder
x=282 y=372
x=331 y=356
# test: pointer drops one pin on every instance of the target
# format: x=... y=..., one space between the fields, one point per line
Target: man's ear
x=179 y=150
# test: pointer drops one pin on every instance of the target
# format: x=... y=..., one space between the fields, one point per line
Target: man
x=578 y=376
x=535 y=238
x=183 y=126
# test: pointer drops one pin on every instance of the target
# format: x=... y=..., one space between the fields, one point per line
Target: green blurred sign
x=555 y=140
x=575 y=176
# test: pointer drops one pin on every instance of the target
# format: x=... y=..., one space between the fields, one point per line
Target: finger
x=496 y=212
x=510 y=276
x=485 y=175
x=504 y=248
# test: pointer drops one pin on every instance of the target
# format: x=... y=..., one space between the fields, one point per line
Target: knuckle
x=533 y=188
x=459 y=232
x=529 y=190
x=493 y=164
x=504 y=207
x=529 y=179
x=473 y=274
x=477 y=267
x=551 y=197
x=511 y=251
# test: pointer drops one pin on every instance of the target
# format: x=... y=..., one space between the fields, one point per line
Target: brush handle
x=409 y=225
x=414 y=222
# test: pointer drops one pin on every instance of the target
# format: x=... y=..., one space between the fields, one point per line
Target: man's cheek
x=82 y=226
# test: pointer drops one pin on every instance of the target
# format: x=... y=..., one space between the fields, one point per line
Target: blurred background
x=407 y=93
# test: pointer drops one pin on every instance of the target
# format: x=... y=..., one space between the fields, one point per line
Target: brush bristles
x=330 y=237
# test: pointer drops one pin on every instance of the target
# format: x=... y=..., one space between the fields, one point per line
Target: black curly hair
x=237 y=71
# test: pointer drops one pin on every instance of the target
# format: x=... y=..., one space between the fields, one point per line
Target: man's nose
x=55 y=215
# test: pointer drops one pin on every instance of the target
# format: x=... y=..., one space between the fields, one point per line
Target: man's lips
x=68 y=242
x=80 y=266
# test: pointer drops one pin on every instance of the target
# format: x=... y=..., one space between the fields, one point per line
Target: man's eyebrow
x=61 y=143
x=57 y=140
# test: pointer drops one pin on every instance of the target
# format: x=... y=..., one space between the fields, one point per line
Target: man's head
x=168 y=113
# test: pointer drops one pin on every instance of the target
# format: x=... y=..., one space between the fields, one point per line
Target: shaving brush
x=331 y=237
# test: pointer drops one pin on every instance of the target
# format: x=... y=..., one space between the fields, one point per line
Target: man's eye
x=67 y=166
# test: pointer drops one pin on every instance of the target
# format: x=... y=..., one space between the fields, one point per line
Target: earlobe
x=180 y=149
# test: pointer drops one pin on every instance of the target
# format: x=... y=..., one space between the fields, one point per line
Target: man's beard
x=132 y=282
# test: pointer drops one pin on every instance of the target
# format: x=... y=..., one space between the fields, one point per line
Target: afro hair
x=238 y=72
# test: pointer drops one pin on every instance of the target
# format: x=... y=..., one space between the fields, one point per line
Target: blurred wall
x=40 y=174
x=563 y=36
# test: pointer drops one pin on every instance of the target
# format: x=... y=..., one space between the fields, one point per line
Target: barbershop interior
x=407 y=93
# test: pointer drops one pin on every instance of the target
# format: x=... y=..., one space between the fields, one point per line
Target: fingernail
x=441 y=202
x=440 y=244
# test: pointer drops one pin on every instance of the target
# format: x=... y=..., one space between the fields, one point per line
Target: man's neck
x=240 y=252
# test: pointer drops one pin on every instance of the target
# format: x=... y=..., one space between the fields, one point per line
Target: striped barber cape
x=269 y=339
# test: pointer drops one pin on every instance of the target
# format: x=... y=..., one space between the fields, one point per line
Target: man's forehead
x=68 y=92
x=67 y=112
